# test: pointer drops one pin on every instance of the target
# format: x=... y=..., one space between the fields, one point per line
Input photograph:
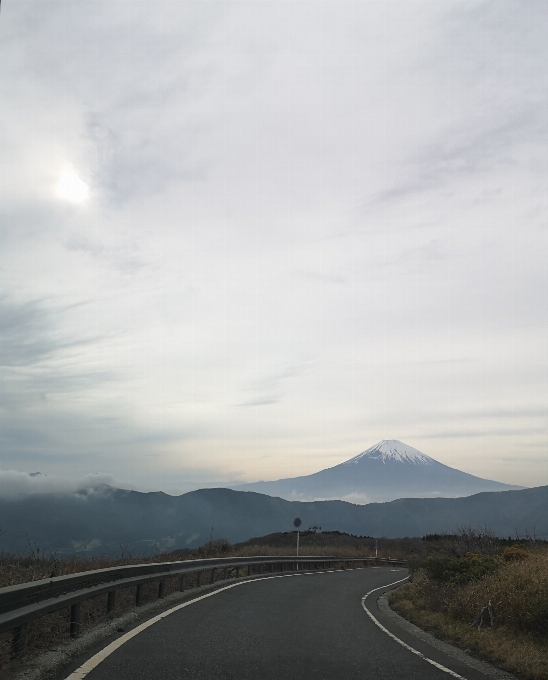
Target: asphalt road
x=301 y=627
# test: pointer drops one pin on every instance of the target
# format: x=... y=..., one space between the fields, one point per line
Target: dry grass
x=518 y=591
x=312 y=551
x=15 y=569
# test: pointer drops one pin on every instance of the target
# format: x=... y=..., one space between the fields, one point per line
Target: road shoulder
x=444 y=647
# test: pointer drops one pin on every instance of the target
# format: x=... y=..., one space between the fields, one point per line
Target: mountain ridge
x=109 y=520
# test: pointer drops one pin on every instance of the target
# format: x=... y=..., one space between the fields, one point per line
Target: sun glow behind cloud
x=71 y=187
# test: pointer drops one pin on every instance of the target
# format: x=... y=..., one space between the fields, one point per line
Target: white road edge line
x=397 y=639
x=95 y=660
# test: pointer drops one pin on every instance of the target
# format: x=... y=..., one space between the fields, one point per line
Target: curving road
x=295 y=627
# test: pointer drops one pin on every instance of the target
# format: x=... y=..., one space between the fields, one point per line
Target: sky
x=248 y=240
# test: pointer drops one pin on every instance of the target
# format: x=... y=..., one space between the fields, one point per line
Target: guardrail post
x=249 y=570
x=225 y=571
x=161 y=590
x=199 y=579
x=213 y=574
x=75 y=620
x=181 y=582
x=139 y=595
x=271 y=567
x=19 y=641
x=237 y=572
x=111 y=603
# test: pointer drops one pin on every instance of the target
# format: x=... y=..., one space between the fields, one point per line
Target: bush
x=216 y=548
x=514 y=554
x=518 y=591
x=454 y=570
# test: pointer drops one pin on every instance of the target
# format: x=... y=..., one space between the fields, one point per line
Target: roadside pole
x=297 y=523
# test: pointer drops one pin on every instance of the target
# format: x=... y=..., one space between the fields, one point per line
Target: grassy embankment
x=52 y=630
x=471 y=573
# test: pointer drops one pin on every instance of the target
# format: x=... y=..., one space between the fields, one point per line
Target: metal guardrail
x=21 y=604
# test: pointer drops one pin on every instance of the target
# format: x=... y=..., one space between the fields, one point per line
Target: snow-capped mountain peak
x=392 y=449
x=385 y=472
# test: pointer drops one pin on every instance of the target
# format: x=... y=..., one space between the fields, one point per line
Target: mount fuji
x=385 y=472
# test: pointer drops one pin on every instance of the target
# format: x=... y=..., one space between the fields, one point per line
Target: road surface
x=296 y=627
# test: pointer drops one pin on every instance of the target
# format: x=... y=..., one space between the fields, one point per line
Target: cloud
x=356 y=498
x=25 y=333
x=14 y=484
x=270 y=182
x=269 y=388
x=39 y=358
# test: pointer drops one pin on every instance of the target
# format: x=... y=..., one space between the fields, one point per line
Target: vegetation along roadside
x=484 y=594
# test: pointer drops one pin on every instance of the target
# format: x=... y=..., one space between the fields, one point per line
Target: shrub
x=216 y=548
x=518 y=591
x=454 y=570
x=514 y=554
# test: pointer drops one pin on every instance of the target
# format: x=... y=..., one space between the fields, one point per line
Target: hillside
x=113 y=520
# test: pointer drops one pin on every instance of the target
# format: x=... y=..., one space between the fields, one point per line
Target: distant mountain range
x=111 y=521
x=385 y=472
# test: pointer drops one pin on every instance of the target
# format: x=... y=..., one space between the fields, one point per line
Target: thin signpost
x=297 y=523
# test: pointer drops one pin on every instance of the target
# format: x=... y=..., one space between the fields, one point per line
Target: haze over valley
x=115 y=521
x=89 y=516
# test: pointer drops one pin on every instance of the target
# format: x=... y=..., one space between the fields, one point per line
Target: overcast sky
x=248 y=240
